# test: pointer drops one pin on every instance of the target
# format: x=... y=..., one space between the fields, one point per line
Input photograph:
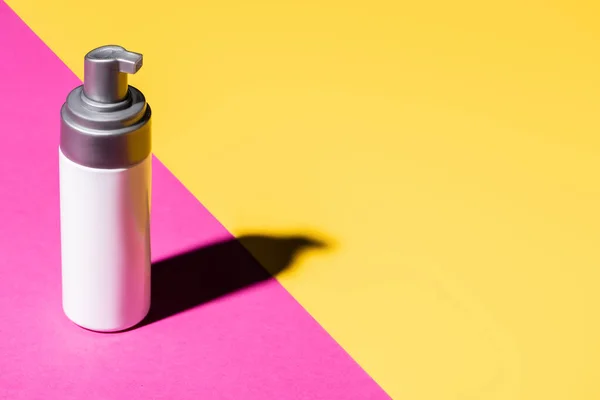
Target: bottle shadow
x=194 y=278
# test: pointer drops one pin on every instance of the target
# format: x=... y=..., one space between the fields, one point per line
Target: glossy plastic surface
x=105 y=244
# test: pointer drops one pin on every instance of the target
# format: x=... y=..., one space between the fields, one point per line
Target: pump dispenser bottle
x=105 y=191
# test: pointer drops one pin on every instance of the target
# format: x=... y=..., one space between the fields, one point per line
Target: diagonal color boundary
x=253 y=343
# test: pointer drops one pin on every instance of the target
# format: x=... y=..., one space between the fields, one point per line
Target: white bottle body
x=105 y=244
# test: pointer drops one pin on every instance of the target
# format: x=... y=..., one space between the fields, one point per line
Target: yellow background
x=448 y=150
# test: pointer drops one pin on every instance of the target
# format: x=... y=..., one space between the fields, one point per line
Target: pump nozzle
x=105 y=73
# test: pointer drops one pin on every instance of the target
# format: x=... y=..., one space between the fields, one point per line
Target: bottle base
x=98 y=328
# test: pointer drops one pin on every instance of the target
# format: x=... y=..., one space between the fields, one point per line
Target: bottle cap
x=105 y=123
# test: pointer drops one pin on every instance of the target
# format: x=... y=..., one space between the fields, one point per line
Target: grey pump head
x=105 y=123
x=105 y=73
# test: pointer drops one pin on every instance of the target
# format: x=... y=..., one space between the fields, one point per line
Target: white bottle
x=105 y=189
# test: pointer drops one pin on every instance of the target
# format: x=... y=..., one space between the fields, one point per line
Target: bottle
x=105 y=174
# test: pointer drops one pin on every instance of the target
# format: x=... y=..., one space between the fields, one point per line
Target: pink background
x=245 y=337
